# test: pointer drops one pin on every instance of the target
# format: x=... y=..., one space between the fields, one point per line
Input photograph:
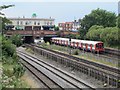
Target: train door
x=55 y=41
x=73 y=44
x=86 y=47
x=81 y=45
x=64 y=42
x=61 y=42
x=58 y=42
x=67 y=43
x=77 y=44
x=91 y=47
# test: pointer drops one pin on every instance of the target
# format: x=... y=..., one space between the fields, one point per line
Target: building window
x=47 y=23
x=29 y=22
x=34 y=23
x=60 y=25
x=26 y=23
x=38 y=23
x=21 y=22
x=17 y=22
x=50 y=23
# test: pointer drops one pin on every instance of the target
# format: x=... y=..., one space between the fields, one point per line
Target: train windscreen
x=100 y=45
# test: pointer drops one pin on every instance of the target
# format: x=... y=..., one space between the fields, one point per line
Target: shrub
x=76 y=52
x=16 y=39
x=18 y=70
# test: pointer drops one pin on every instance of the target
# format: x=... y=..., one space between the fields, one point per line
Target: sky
x=61 y=11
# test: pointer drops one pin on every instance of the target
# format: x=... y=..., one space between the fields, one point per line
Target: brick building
x=69 y=26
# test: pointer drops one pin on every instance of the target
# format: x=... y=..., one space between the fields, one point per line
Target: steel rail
x=59 y=71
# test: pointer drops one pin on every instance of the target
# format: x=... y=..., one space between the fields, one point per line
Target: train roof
x=77 y=40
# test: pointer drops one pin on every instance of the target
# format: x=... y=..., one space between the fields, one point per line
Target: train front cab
x=99 y=47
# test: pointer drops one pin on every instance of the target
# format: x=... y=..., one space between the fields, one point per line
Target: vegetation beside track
x=80 y=54
x=11 y=69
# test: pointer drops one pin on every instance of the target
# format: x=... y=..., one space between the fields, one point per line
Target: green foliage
x=8 y=48
x=75 y=52
x=5 y=21
x=97 y=17
x=13 y=82
x=94 y=33
x=77 y=36
x=0 y=25
x=16 y=39
x=4 y=7
x=56 y=28
x=118 y=21
x=70 y=36
x=18 y=70
x=82 y=33
x=108 y=35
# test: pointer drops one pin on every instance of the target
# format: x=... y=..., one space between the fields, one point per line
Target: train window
x=90 y=45
x=86 y=44
x=97 y=45
x=83 y=44
x=100 y=45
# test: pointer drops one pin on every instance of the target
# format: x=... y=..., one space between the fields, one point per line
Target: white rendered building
x=31 y=23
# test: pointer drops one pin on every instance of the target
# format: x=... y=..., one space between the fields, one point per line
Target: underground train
x=93 y=46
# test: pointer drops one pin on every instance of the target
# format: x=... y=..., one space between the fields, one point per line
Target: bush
x=76 y=52
x=8 y=72
x=18 y=70
x=108 y=35
x=16 y=39
x=8 y=49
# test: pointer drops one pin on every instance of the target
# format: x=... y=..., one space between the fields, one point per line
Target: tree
x=8 y=49
x=82 y=33
x=4 y=20
x=118 y=21
x=56 y=28
x=108 y=35
x=98 y=17
x=94 y=32
x=16 y=39
x=5 y=7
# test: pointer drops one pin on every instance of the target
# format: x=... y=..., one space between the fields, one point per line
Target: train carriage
x=96 y=46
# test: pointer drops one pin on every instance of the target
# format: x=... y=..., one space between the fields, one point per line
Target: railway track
x=115 y=52
x=61 y=78
x=46 y=82
x=112 y=69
